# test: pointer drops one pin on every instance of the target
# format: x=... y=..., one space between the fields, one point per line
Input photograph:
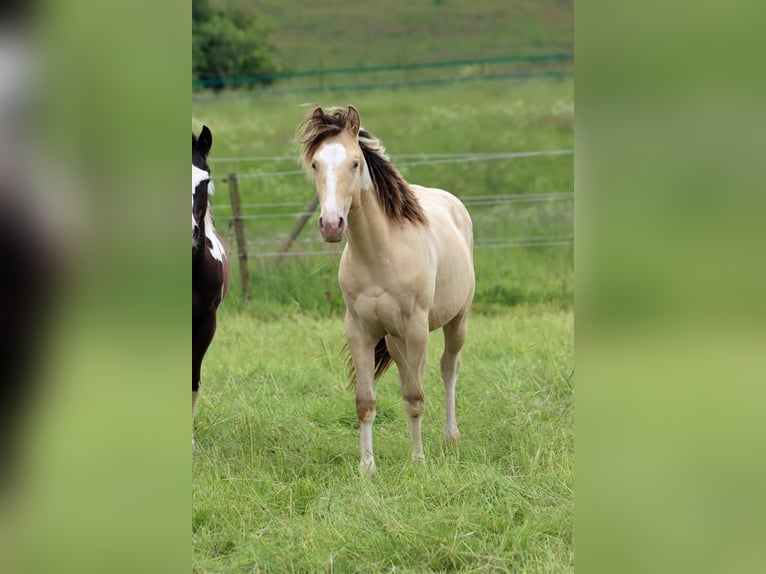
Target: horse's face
x=338 y=170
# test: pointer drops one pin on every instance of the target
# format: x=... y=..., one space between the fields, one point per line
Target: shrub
x=231 y=48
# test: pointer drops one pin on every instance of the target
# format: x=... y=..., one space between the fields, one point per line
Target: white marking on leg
x=367 y=462
x=449 y=368
x=415 y=438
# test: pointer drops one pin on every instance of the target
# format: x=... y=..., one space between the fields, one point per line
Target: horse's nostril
x=340 y=223
x=320 y=222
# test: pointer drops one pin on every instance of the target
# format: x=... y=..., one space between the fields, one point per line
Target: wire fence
x=279 y=244
x=428 y=159
x=555 y=228
x=400 y=75
x=499 y=243
x=475 y=200
x=468 y=201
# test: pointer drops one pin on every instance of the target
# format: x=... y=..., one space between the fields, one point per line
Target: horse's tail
x=382 y=362
x=382 y=358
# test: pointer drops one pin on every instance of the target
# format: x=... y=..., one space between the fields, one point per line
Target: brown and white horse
x=406 y=269
x=211 y=268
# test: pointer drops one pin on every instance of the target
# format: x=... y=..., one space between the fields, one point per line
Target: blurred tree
x=230 y=47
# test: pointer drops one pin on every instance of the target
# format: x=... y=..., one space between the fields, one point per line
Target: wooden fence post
x=239 y=233
x=305 y=216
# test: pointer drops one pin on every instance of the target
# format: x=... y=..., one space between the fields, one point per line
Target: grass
x=275 y=474
x=275 y=477
x=342 y=33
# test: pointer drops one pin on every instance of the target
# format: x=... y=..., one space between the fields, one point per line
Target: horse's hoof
x=367 y=468
x=419 y=458
x=451 y=435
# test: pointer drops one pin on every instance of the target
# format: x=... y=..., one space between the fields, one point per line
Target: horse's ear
x=317 y=115
x=352 y=121
x=205 y=140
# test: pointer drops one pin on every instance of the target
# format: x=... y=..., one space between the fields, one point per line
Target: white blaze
x=331 y=155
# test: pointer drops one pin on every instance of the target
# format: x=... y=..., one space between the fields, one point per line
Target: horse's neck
x=217 y=248
x=368 y=227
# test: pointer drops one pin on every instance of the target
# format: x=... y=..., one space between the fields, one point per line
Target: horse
x=211 y=268
x=406 y=269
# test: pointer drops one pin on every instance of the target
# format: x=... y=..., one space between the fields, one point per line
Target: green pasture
x=533 y=115
x=343 y=33
x=275 y=481
x=275 y=472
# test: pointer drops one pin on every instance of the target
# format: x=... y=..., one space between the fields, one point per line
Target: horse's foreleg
x=362 y=348
x=203 y=330
x=415 y=346
x=454 y=339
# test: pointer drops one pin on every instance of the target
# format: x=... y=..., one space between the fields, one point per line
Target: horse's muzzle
x=332 y=228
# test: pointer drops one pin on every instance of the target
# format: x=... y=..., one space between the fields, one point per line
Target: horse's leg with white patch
x=416 y=344
x=454 y=339
x=362 y=348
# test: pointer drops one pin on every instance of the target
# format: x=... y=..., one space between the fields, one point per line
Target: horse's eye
x=356 y=164
x=314 y=165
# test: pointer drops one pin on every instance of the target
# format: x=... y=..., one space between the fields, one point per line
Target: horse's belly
x=453 y=289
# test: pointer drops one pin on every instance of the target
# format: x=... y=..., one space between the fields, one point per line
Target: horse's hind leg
x=454 y=339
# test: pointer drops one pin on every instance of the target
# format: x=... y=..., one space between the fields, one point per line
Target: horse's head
x=333 y=159
x=200 y=181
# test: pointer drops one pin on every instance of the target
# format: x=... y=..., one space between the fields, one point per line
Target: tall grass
x=275 y=476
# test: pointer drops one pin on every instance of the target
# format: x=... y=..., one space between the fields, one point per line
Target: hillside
x=343 y=33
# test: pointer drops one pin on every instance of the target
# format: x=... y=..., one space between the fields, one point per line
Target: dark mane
x=393 y=193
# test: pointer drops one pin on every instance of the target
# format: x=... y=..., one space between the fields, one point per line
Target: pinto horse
x=211 y=268
x=406 y=269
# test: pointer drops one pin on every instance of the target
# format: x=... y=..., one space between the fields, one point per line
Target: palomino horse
x=407 y=267
x=211 y=268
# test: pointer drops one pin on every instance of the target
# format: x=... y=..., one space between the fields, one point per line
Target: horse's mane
x=393 y=193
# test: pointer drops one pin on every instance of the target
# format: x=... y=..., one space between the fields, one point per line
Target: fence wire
x=432 y=159
x=416 y=160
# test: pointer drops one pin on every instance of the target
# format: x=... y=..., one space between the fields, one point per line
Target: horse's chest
x=208 y=286
x=382 y=310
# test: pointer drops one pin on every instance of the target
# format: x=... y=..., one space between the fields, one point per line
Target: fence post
x=239 y=233
x=305 y=216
